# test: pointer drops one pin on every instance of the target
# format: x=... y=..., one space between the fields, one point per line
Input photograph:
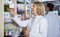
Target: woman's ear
x=47 y=8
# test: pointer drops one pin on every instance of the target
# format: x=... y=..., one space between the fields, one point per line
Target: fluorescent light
x=45 y=0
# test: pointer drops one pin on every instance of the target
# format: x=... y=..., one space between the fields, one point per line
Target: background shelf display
x=21 y=1
x=20 y=8
x=7 y=15
x=28 y=1
x=6 y=7
x=28 y=7
x=57 y=8
x=24 y=9
x=12 y=32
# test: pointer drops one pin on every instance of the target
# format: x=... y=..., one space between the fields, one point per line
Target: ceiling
x=58 y=1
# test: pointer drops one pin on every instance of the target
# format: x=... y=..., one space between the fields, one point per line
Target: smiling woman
x=34 y=28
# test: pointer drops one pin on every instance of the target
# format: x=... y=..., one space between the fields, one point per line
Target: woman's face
x=34 y=9
x=47 y=9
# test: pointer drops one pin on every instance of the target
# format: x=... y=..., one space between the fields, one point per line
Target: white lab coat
x=53 y=24
x=37 y=29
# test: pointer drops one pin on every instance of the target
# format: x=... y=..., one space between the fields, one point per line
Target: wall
x=1 y=19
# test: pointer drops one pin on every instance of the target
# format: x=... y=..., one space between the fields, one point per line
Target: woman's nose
x=32 y=8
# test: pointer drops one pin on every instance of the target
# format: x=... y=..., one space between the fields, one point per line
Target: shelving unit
x=23 y=9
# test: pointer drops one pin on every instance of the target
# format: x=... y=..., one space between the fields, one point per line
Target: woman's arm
x=43 y=27
x=19 y=22
x=15 y=18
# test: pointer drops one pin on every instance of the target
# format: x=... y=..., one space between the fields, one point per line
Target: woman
x=37 y=26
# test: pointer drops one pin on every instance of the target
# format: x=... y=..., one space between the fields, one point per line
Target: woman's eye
x=33 y=5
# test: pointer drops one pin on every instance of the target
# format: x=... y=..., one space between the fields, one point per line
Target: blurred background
x=22 y=8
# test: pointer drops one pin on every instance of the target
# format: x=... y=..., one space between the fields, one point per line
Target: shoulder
x=43 y=19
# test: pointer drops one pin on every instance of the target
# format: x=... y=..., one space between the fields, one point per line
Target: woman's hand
x=26 y=33
x=12 y=11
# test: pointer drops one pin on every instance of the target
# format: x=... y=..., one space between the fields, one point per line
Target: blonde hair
x=39 y=8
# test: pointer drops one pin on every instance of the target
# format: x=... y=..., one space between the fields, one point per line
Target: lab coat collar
x=50 y=11
x=38 y=16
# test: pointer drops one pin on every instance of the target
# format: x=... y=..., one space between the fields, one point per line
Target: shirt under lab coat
x=37 y=29
x=53 y=24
